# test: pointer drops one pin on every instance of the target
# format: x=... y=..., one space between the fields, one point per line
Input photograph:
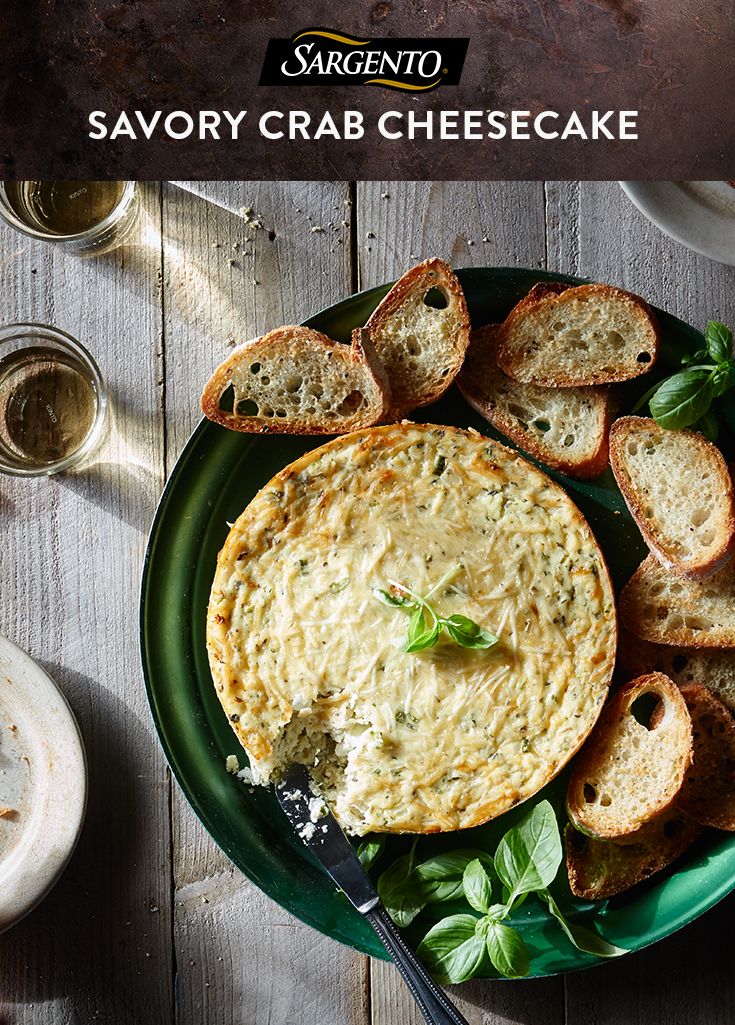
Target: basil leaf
x=451 y=950
x=394 y=601
x=708 y=425
x=719 y=341
x=497 y=912
x=529 y=855
x=723 y=378
x=682 y=399
x=507 y=951
x=468 y=633
x=477 y=886
x=419 y=636
x=369 y=851
x=402 y=899
x=692 y=358
x=440 y=879
x=582 y=938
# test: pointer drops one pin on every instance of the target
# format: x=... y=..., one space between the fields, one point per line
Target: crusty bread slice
x=565 y=428
x=421 y=331
x=708 y=794
x=631 y=771
x=295 y=380
x=679 y=491
x=659 y=607
x=601 y=868
x=541 y=290
x=710 y=666
x=589 y=334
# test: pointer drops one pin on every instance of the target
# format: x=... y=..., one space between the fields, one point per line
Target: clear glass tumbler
x=84 y=218
x=53 y=402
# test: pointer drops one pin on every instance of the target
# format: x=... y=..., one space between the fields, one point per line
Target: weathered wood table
x=150 y=924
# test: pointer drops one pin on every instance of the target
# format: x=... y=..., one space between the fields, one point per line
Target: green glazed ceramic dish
x=215 y=477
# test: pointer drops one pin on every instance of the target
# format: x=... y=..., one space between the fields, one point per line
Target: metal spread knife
x=322 y=834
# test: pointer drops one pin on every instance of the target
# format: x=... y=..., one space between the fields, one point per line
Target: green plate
x=217 y=474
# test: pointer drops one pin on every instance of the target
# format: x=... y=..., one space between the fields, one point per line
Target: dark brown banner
x=158 y=89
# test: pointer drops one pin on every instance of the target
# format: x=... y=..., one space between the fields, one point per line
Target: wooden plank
x=596 y=232
x=98 y=949
x=240 y=958
x=468 y=224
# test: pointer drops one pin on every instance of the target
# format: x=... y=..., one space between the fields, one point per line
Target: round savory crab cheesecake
x=314 y=603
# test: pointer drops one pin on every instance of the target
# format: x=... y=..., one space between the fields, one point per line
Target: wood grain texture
x=596 y=232
x=72 y=548
x=469 y=224
x=240 y=959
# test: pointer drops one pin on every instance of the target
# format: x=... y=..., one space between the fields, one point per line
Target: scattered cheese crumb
x=317 y=808
x=307 y=831
x=232 y=764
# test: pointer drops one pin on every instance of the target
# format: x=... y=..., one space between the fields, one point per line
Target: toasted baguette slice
x=565 y=428
x=543 y=289
x=715 y=669
x=297 y=381
x=590 y=334
x=659 y=607
x=630 y=772
x=708 y=794
x=421 y=345
x=679 y=491
x=600 y=868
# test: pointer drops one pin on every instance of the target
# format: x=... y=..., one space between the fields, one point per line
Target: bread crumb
x=232 y=764
x=7 y=813
x=317 y=228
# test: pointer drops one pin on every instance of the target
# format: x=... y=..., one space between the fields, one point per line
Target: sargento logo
x=319 y=56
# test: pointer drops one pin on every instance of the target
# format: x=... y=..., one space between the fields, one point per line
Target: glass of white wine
x=85 y=218
x=53 y=402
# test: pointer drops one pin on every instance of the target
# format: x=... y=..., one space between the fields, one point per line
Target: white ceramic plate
x=700 y=215
x=43 y=783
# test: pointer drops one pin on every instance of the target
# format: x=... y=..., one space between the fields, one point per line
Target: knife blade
x=314 y=823
x=317 y=827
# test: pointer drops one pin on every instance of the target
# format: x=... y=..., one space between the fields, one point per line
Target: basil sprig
x=460 y=946
x=685 y=399
x=426 y=625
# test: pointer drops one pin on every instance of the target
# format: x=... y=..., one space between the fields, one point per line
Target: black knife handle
x=433 y=1002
